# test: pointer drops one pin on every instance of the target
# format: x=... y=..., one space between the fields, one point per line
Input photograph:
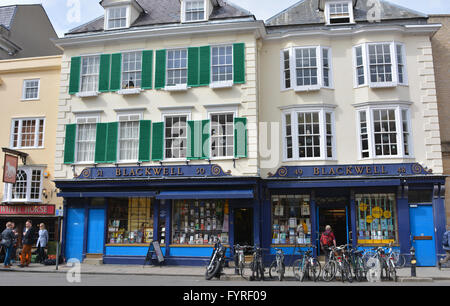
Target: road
x=60 y=279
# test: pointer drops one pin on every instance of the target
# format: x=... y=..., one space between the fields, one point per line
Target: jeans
x=8 y=255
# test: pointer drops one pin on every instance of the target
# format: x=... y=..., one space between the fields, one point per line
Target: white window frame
x=293 y=69
x=25 y=87
x=85 y=118
x=181 y=86
x=93 y=92
x=350 y=12
x=175 y=113
x=126 y=117
x=136 y=88
x=294 y=111
x=226 y=83
x=394 y=65
x=19 y=135
x=184 y=12
x=369 y=110
x=8 y=188
x=221 y=111
x=108 y=13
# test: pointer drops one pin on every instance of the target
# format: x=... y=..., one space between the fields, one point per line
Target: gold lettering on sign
x=180 y=172
x=157 y=171
x=359 y=170
x=332 y=171
x=340 y=171
x=118 y=172
x=349 y=170
x=383 y=171
x=148 y=172
x=139 y=172
x=369 y=170
x=166 y=171
x=316 y=171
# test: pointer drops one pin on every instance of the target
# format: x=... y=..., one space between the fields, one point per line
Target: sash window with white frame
x=194 y=10
x=131 y=70
x=90 y=69
x=309 y=134
x=384 y=132
x=28 y=186
x=175 y=136
x=309 y=67
x=128 y=137
x=177 y=67
x=222 y=64
x=85 y=139
x=117 y=18
x=339 y=12
x=27 y=133
x=30 y=89
x=380 y=65
x=222 y=135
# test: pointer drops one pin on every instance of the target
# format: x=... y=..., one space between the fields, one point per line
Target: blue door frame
x=96 y=230
x=422 y=234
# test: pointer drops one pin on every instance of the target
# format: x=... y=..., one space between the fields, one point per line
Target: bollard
x=413 y=262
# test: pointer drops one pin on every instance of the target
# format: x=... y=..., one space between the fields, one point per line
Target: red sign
x=10 y=169
x=29 y=210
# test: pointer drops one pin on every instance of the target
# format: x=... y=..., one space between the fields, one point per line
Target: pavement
x=424 y=274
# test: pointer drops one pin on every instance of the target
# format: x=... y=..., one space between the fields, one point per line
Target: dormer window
x=339 y=12
x=116 y=18
x=194 y=10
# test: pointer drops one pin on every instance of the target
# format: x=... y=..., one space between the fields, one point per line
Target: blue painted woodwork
x=96 y=231
x=75 y=233
x=422 y=225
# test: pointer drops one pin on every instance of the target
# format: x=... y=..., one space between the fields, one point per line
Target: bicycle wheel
x=273 y=269
x=400 y=260
x=347 y=273
x=392 y=273
x=329 y=271
x=314 y=270
x=360 y=273
x=298 y=270
x=245 y=273
x=281 y=271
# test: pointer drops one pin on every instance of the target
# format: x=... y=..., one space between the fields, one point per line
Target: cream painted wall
x=12 y=75
x=420 y=92
x=151 y=100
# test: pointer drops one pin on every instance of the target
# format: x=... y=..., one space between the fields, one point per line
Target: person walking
x=8 y=243
x=446 y=247
x=42 y=242
x=327 y=240
x=27 y=244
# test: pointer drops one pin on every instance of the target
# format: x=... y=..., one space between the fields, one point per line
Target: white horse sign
x=10 y=169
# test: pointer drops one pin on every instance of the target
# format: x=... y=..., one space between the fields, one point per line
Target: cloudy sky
x=63 y=13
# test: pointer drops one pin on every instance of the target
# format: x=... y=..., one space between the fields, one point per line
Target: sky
x=63 y=13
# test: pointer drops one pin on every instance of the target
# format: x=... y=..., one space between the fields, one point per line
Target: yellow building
x=29 y=96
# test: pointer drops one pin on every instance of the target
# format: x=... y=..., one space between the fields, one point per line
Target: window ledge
x=306 y=89
x=218 y=85
x=179 y=87
x=130 y=91
x=87 y=94
x=382 y=85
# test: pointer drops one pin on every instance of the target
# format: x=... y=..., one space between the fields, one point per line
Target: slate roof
x=7 y=15
x=158 y=12
x=306 y=12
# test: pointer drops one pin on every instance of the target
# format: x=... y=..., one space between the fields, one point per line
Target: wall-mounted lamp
x=44 y=193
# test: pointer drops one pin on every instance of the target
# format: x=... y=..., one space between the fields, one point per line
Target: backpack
x=326 y=239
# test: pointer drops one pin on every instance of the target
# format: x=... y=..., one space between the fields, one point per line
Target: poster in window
x=10 y=169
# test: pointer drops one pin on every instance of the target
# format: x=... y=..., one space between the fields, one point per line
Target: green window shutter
x=75 y=70
x=116 y=72
x=160 y=69
x=239 y=63
x=193 y=69
x=105 y=66
x=69 y=145
x=240 y=137
x=111 y=145
x=147 y=69
x=158 y=141
x=206 y=135
x=145 y=129
x=100 y=143
x=193 y=140
x=205 y=65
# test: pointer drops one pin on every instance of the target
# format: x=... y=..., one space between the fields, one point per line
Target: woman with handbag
x=8 y=243
x=42 y=242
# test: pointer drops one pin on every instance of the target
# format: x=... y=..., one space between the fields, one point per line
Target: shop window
x=376 y=218
x=130 y=221
x=200 y=222
x=291 y=219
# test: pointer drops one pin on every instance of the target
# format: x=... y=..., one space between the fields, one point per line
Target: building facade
x=29 y=98
x=441 y=52
x=164 y=113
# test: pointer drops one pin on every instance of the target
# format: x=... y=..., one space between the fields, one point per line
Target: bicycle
x=337 y=263
x=306 y=266
x=355 y=260
x=257 y=265
x=240 y=259
x=277 y=266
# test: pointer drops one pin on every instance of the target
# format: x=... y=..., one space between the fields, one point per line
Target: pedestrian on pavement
x=14 y=248
x=27 y=244
x=7 y=242
x=42 y=242
x=446 y=247
x=327 y=240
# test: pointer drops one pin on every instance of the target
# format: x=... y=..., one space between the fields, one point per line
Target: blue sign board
x=372 y=170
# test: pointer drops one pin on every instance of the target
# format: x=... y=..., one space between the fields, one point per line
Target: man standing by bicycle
x=327 y=240
x=446 y=247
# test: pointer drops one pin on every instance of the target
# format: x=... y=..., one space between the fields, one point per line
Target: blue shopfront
x=114 y=213
x=366 y=205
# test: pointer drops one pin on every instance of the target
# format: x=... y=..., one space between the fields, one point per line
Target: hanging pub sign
x=10 y=169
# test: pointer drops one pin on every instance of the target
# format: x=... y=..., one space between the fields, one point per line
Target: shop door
x=96 y=230
x=243 y=226
x=422 y=234
x=74 y=233
x=337 y=218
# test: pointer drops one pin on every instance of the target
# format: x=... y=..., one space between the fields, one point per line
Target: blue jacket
x=446 y=238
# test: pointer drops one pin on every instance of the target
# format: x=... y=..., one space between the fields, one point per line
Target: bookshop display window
x=200 y=222
x=291 y=219
x=376 y=218
x=130 y=221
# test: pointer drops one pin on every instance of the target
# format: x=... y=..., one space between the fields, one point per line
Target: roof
x=159 y=12
x=7 y=15
x=307 y=12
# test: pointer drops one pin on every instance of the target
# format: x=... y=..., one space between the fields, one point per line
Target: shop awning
x=108 y=194
x=205 y=194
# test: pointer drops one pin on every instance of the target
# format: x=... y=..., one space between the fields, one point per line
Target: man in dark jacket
x=446 y=247
x=27 y=244
x=7 y=240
